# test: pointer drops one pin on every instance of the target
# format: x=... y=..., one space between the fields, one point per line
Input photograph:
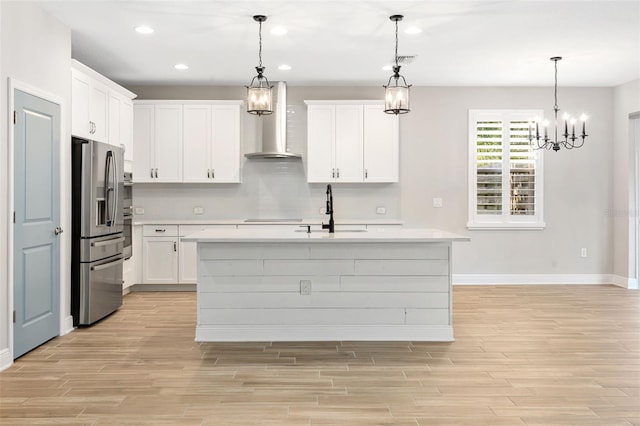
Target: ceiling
x=346 y=42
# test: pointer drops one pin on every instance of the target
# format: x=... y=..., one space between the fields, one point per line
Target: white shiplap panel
x=266 y=284
x=293 y=316
x=253 y=251
x=401 y=267
x=427 y=316
x=395 y=283
x=308 y=267
x=229 y=267
x=324 y=300
x=379 y=251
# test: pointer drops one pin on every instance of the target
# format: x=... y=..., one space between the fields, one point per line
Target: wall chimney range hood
x=274 y=130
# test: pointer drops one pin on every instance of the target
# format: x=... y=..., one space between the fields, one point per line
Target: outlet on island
x=305 y=287
x=139 y=210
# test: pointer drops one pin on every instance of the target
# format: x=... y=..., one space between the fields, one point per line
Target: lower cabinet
x=160 y=254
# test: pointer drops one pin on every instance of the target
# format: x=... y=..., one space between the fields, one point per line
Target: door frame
x=634 y=222
x=64 y=241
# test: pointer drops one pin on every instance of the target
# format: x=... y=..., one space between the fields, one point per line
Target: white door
x=98 y=111
x=320 y=143
x=188 y=262
x=349 y=143
x=160 y=260
x=80 y=93
x=143 y=166
x=168 y=143
x=196 y=140
x=380 y=145
x=36 y=244
x=225 y=144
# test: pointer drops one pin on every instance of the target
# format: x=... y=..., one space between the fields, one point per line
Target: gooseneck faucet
x=329 y=211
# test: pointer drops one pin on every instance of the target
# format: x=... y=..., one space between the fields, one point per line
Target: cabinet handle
x=151 y=173
x=94 y=128
x=366 y=173
x=338 y=173
x=156 y=173
x=175 y=246
x=333 y=173
x=213 y=173
x=209 y=173
x=161 y=230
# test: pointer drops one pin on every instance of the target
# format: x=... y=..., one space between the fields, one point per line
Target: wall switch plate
x=305 y=287
x=198 y=210
x=322 y=210
x=139 y=210
x=583 y=252
x=381 y=210
x=437 y=202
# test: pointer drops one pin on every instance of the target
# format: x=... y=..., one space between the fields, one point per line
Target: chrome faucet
x=329 y=211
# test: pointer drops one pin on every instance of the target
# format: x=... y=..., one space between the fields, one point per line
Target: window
x=505 y=173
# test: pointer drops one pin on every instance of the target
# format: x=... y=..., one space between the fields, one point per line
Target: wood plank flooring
x=523 y=355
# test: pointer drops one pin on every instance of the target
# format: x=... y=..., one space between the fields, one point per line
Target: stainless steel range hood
x=274 y=130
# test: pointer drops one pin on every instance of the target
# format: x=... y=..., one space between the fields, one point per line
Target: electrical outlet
x=139 y=210
x=583 y=252
x=381 y=210
x=305 y=287
x=198 y=210
x=437 y=202
x=323 y=210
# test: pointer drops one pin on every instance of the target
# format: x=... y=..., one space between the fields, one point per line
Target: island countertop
x=418 y=235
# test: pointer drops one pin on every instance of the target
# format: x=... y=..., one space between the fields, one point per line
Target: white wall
x=433 y=164
x=624 y=212
x=36 y=50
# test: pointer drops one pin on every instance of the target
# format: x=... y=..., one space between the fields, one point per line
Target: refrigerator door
x=97 y=248
x=102 y=188
x=100 y=289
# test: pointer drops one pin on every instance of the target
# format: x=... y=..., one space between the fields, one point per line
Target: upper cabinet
x=351 y=141
x=101 y=110
x=178 y=141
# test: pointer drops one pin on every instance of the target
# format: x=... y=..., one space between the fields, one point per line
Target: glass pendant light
x=259 y=93
x=396 y=95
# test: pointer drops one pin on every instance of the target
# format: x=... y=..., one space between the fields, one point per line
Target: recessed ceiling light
x=413 y=30
x=143 y=29
x=279 y=30
x=387 y=68
x=284 y=67
x=181 y=67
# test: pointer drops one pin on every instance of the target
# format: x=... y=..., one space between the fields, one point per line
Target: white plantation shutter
x=505 y=173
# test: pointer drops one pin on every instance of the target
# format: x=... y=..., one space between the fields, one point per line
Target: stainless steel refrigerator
x=97 y=230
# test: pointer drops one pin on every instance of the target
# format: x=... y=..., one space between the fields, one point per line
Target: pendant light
x=396 y=95
x=259 y=93
x=569 y=141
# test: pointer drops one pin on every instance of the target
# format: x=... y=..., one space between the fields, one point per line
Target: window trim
x=504 y=221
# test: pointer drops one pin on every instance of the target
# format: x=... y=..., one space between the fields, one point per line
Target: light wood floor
x=534 y=355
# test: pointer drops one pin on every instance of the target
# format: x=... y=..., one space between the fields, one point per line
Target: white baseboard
x=624 y=282
x=302 y=333
x=6 y=360
x=518 y=279
x=67 y=325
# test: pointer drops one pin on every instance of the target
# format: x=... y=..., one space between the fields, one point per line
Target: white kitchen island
x=285 y=285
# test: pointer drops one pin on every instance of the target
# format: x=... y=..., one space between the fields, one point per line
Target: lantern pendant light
x=259 y=93
x=396 y=95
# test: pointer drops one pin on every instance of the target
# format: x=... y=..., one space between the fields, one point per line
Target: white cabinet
x=157 y=143
x=89 y=100
x=160 y=254
x=121 y=123
x=351 y=141
x=211 y=143
x=179 y=141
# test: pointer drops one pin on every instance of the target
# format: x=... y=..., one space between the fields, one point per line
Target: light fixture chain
x=260 y=44
x=396 y=42
x=555 y=92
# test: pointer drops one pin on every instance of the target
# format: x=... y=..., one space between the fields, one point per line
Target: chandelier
x=569 y=141
x=259 y=94
x=396 y=95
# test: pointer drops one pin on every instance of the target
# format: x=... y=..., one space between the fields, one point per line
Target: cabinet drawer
x=160 y=230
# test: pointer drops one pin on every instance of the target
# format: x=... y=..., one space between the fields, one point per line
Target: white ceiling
x=346 y=42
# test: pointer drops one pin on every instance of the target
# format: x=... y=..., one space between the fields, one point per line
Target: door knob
x=58 y=230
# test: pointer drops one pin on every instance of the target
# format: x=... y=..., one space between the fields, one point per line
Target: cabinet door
x=168 y=143
x=196 y=141
x=126 y=128
x=115 y=105
x=80 y=90
x=320 y=143
x=98 y=111
x=143 y=143
x=160 y=260
x=349 y=143
x=381 y=148
x=188 y=262
x=225 y=144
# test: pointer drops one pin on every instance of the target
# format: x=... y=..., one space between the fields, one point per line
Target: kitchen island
x=286 y=285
